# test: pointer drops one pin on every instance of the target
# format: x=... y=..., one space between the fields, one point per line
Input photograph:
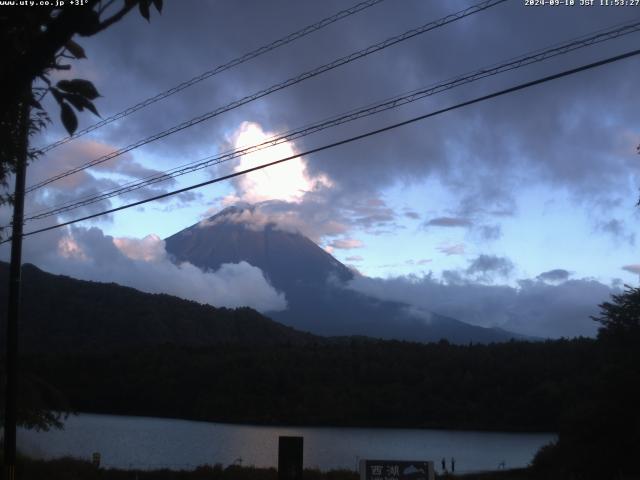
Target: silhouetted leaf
x=75 y=49
x=80 y=103
x=158 y=5
x=69 y=119
x=90 y=24
x=75 y=100
x=35 y=104
x=57 y=94
x=144 y=8
x=79 y=86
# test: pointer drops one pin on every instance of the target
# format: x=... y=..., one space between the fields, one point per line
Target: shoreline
x=72 y=467
x=150 y=442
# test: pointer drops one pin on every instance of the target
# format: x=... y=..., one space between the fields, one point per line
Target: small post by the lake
x=290 y=458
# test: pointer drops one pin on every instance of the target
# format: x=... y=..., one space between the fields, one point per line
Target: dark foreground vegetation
x=511 y=386
x=72 y=469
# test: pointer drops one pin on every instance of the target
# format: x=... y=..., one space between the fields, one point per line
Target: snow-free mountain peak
x=316 y=284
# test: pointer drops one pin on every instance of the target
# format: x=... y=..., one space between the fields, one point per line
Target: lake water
x=148 y=443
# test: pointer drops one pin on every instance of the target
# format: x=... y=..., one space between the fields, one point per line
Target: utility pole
x=15 y=275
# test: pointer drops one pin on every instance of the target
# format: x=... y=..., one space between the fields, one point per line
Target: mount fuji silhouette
x=314 y=282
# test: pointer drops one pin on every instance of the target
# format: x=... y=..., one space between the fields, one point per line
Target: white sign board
x=396 y=470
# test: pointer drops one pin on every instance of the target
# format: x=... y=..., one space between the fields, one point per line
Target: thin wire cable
x=517 y=62
x=512 y=64
x=219 y=69
x=362 y=136
x=279 y=86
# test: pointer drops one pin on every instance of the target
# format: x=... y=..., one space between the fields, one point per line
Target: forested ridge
x=509 y=386
x=64 y=314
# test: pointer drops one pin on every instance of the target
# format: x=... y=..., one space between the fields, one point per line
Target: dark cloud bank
x=482 y=153
x=549 y=306
x=534 y=307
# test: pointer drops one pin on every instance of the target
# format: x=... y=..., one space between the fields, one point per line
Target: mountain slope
x=313 y=281
x=62 y=314
x=288 y=259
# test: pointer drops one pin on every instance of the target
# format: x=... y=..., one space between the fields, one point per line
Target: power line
x=499 y=93
x=527 y=59
x=219 y=69
x=279 y=86
x=512 y=64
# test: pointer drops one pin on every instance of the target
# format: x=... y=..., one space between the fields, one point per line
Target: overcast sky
x=517 y=212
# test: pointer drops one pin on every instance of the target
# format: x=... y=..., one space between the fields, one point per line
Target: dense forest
x=509 y=386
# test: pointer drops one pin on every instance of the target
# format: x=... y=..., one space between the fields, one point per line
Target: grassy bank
x=75 y=469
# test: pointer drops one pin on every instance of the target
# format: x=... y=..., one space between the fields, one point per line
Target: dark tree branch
x=115 y=17
x=37 y=57
x=105 y=7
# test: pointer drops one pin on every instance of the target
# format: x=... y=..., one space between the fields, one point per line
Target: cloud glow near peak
x=287 y=182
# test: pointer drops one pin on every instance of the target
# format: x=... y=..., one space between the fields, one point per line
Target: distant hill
x=314 y=283
x=62 y=314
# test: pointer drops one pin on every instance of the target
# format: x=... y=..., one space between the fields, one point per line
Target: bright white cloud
x=288 y=181
x=143 y=264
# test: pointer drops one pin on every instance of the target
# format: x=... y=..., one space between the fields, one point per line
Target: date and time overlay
x=526 y=3
x=581 y=3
